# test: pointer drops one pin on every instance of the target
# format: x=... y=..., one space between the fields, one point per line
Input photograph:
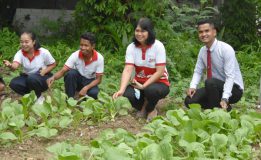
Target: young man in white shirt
x=84 y=69
x=224 y=83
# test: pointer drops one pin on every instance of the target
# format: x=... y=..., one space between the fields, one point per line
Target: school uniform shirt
x=41 y=59
x=146 y=60
x=88 y=69
x=224 y=67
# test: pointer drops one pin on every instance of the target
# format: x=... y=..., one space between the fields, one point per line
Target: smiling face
x=207 y=34
x=86 y=47
x=26 y=42
x=141 y=35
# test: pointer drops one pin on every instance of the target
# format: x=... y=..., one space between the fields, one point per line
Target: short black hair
x=145 y=24
x=90 y=37
x=33 y=36
x=206 y=21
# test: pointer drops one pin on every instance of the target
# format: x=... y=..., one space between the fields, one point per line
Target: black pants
x=153 y=93
x=210 y=96
x=74 y=81
x=24 y=83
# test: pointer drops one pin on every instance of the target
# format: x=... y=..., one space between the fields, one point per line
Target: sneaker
x=40 y=100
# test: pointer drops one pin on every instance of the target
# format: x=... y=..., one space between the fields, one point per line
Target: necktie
x=209 y=71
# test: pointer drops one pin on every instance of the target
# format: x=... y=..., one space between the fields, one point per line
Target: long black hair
x=145 y=24
x=37 y=44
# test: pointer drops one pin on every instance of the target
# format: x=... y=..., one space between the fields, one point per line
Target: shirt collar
x=143 y=51
x=93 y=58
x=213 y=46
x=36 y=53
x=143 y=48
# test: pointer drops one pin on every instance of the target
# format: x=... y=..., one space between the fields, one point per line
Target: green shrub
x=239 y=19
x=9 y=44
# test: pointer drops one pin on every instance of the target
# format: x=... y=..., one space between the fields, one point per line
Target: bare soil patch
x=35 y=148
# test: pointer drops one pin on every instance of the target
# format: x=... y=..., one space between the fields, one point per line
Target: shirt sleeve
x=100 y=67
x=229 y=69
x=71 y=60
x=198 y=71
x=129 y=57
x=160 y=55
x=18 y=57
x=48 y=58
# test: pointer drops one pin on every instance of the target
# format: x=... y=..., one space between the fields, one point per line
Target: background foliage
x=240 y=19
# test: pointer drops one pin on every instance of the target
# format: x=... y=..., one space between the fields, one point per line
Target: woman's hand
x=42 y=72
x=7 y=63
x=137 y=85
x=117 y=94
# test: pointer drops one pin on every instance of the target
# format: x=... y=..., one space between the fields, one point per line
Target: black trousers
x=210 y=95
x=74 y=81
x=153 y=93
x=24 y=83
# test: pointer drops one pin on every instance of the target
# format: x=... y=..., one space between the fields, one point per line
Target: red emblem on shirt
x=151 y=60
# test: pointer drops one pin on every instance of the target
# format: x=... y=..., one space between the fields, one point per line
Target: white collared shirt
x=224 y=67
x=41 y=59
x=87 y=69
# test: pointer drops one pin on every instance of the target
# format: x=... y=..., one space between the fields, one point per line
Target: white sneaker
x=40 y=100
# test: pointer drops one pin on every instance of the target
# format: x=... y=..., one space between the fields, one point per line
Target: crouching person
x=224 y=83
x=84 y=69
x=37 y=65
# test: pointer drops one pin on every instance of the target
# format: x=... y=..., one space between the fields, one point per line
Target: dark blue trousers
x=74 y=81
x=24 y=83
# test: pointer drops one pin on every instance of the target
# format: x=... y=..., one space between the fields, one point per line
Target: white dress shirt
x=224 y=67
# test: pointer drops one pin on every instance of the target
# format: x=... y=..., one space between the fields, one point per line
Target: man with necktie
x=224 y=83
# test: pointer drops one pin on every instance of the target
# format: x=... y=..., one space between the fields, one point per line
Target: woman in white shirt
x=147 y=57
x=37 y=65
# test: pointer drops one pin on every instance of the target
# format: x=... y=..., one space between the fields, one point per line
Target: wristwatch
x=225 y=99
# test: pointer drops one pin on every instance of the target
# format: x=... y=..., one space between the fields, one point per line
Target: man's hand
x=50 y=81
x=83 y=92
x=223 y=104
x=191 y=92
